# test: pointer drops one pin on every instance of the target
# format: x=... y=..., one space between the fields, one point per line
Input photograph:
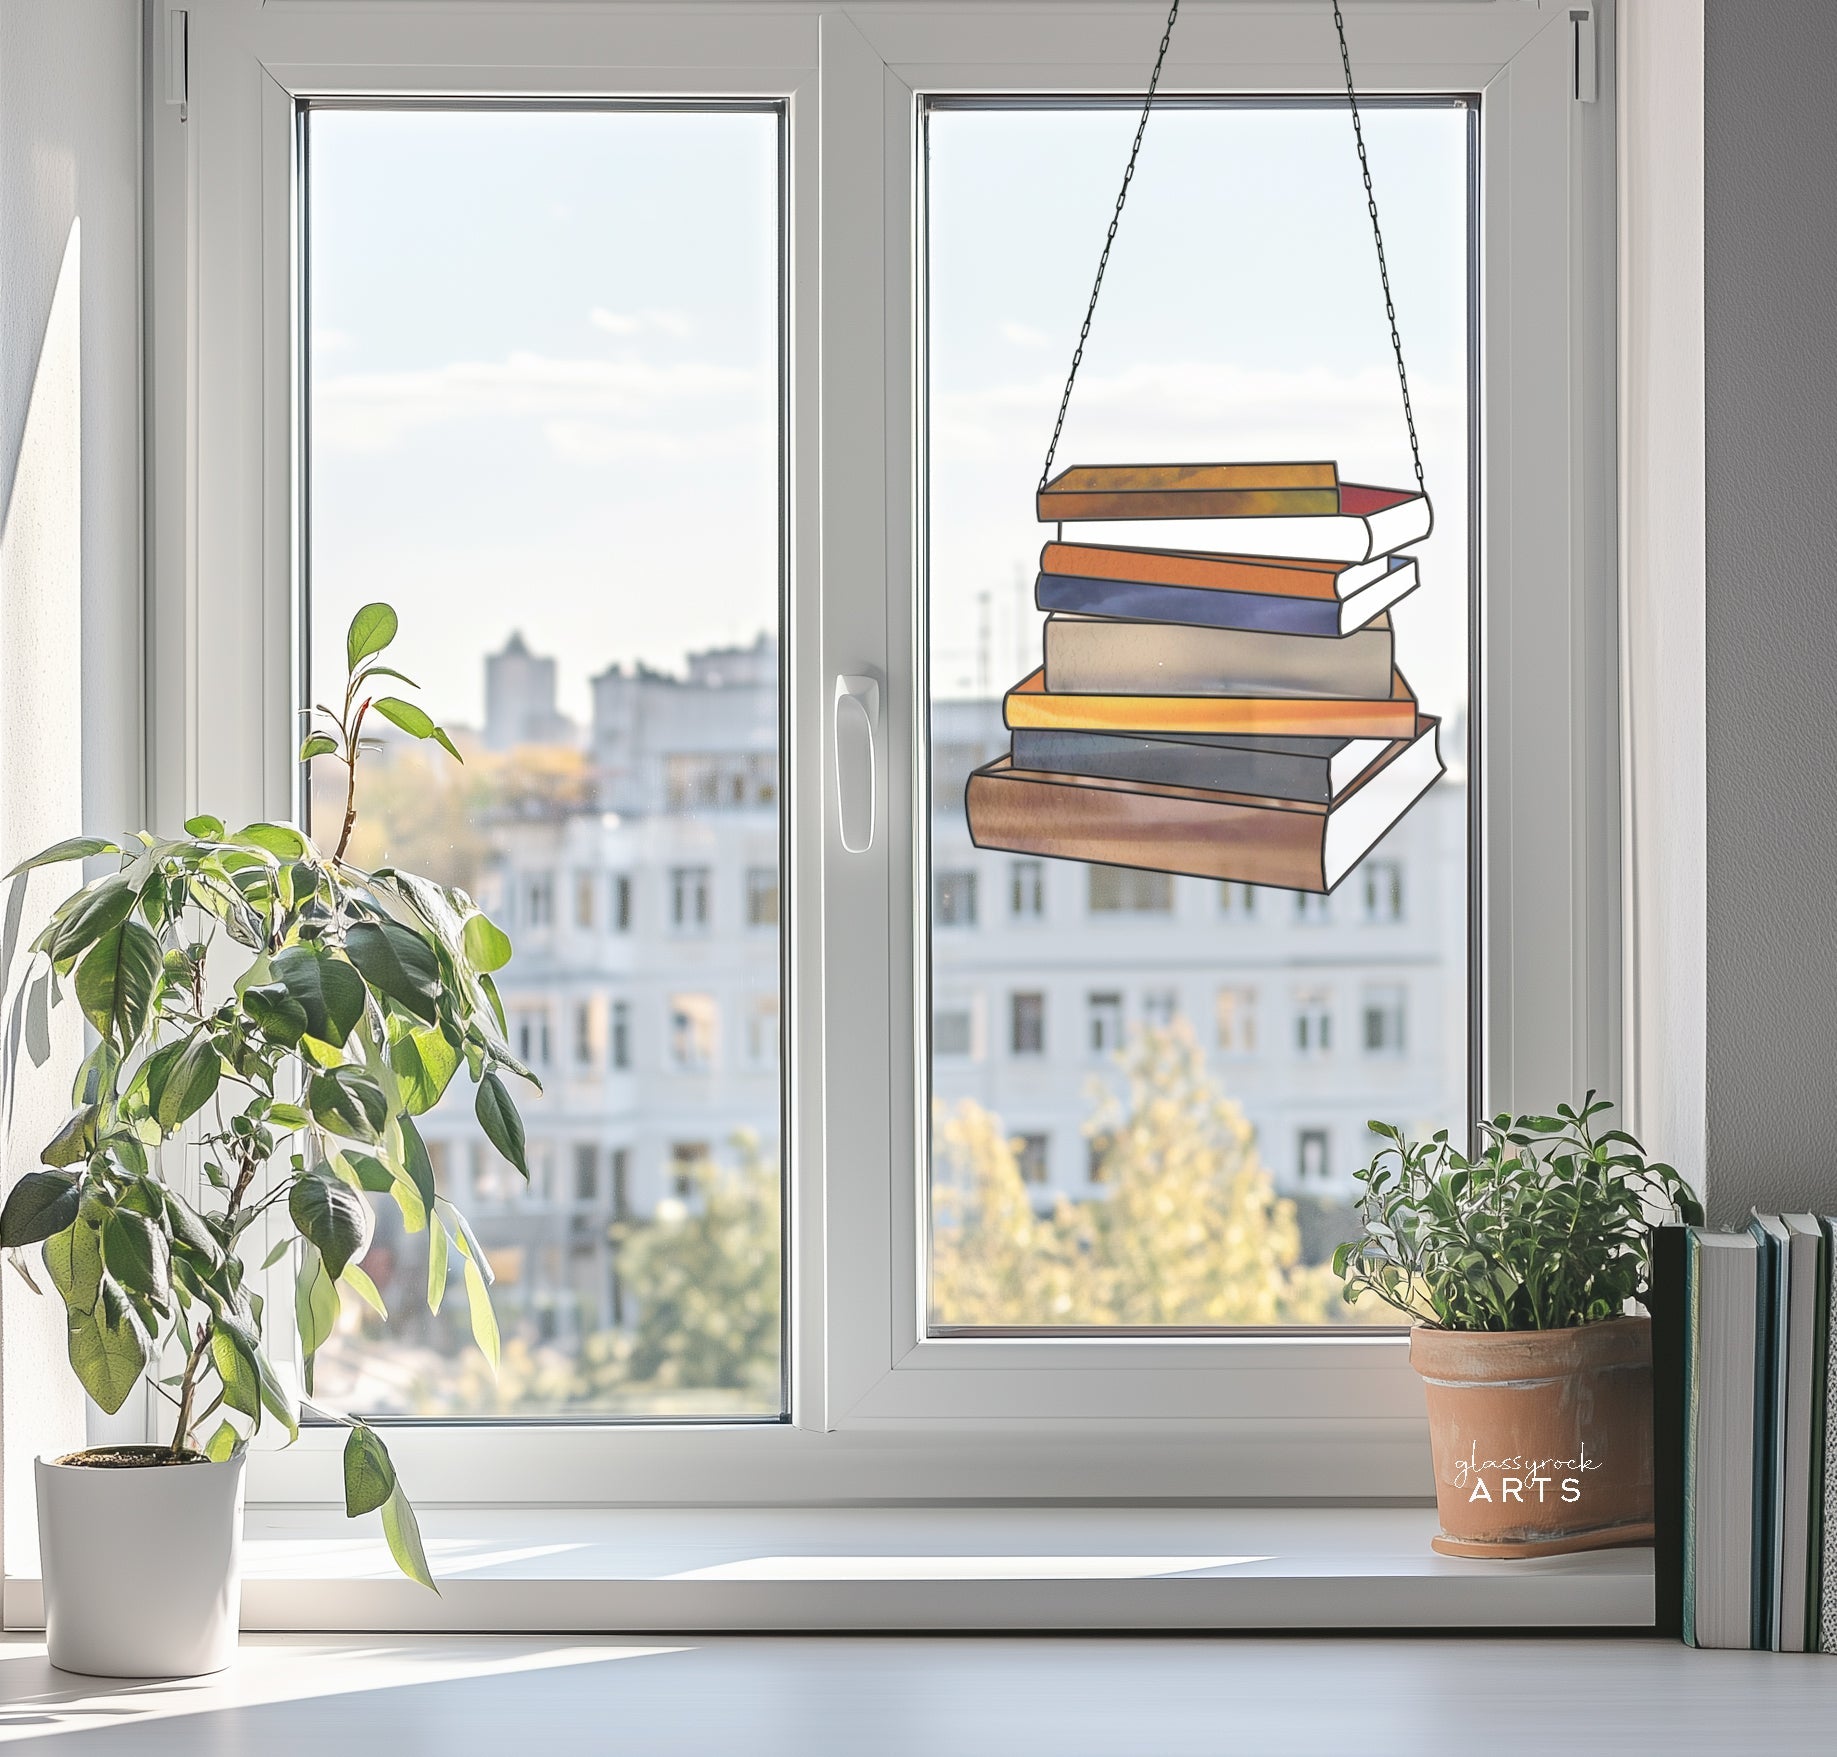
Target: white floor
x=890 y=1696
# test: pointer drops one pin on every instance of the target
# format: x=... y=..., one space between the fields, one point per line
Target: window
x=1311 y=910
x=587 y=1172
x=1027 y=1024
x=1027 y=889
x=586 y=883
x=585 y=1053
x=955 y=902
x=621 y=1035
x=953 y=1030
x=1311 y=1162
x=762 y=896
x=1030 y=1158
x=1384 y=1010
x=694 y=1032
x=539 y=900
x=1237 y=1020
x=689 y=1164
x=1160 y=1008
x=1120 y=890
x=1313 y=1022
x=689 y=899
x=1105 y=1014
x=1381 y=886
x=620 y=1192
x=618 y=899
x=762 y=1031
x=532 y=1035
x=1237 y=902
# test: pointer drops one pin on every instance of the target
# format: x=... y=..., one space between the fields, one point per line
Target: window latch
x=857 y=713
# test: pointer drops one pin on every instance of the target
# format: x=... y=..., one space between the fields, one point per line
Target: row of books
x=1744 y=1444
x=1219 y=692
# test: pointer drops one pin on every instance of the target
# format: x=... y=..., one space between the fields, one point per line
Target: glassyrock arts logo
x=1527 y=1481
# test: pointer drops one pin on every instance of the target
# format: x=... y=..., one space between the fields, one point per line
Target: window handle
x=857 y=713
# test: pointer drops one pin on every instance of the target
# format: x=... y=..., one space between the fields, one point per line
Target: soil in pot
x=130 y=1457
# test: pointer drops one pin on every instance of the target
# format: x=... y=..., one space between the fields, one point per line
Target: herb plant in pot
x=267 y=1022
x=1518 y=1268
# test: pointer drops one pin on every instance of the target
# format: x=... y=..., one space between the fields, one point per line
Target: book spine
x=1691 y=1477
x=1193 y=606
x=1164 y=762
x=1090 y=657
x=1160 y=567
x=1827 y=1560
x=1665 y=1302
x=1188 y=503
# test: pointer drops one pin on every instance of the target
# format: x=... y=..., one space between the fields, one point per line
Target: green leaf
x=329 y=991
x=424 y=1063
x=186 y=1083
x=241 y=1382
x=205 y=828
x=108 y=1348
x=135 y=1257
x=369 y=1475
x=404 y=1535
x=487 y=946
x=92 y=914
x=332 y=1216
x=365 y=1289
x=318 y=745
x=437 y=1269
x=484 y=1319
x=116 y=982
x=396 y=963
x=283 y=841
x=277 y=1252
x=97 y=1076
x=75 y=1141
x=371 y=630
x=73 y=1259
x=416 y=1164
x=315 y=1307
x=416 y=722
x=498 y=1117
x=221 y=1446
x=371 y=1173
x=346 y=1101
x=71 y=848
x=276 y=1401
x=275 y=1013
x=40 y=1204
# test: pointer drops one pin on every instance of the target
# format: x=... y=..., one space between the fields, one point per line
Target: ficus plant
x=1546 y=1227
x=268 y=1021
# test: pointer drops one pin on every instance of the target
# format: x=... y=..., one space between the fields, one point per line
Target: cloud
x=369 y=412
x=623 y=323
x=1023 y=335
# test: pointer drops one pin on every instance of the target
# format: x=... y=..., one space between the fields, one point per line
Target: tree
x=1191 y=1232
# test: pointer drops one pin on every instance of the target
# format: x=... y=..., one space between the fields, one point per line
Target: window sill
x=909 y=1568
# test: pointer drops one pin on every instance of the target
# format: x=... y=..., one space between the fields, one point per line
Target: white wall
x=70 y=632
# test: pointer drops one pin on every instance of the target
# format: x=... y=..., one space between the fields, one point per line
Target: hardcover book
x=1030 y=704
x=1092 y=655
x=1190 y=491
x=1826 y=1564
x=1211 y=607
x=1291 y=844
x=1665 y=1300
x=1801 y=1353
x=1313 y=769
x=1225 y=573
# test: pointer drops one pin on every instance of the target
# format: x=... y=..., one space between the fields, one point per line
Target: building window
x=688 y=1160
x=583 y=1033
x=620 y=1193
x=621 y=1035
x=1311 y=909
x=1160 y=1008
x=953 y=1030
x=532 y=1036
x=954 y=899
x=1121 y=890
x=1237 y=902
x=1381 y=885
x=697 y=781
x=1104 y=1016
x=762 y=1031
x=586 y=1172
x=689 y=899
x=539 y=900
x=694 y=1032
x=762 y=896
x=1030 y=1158
x=1313 y=1022
x=1027 y=890
x=1385 y=1019
x=1311 y=1161
x=1237 y=1020
x=618 y=898
x=584 y=887
x=1027 y=1024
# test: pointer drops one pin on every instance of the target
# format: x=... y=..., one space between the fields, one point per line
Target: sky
x=543 y=376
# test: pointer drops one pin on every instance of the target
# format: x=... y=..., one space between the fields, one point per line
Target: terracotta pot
x=1542 y=1438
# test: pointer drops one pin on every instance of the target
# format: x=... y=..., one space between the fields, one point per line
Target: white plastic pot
x=141 y=1566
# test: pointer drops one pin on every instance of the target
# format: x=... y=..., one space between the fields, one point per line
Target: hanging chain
x=1377 y=236
x=1103 y=261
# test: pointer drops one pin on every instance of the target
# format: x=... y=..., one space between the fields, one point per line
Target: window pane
x=544 y=385
x=1214 y=1030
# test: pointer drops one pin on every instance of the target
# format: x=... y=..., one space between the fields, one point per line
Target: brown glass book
x=1031 y=704
x=1191 y=491
x=1326 y=580
x=1294 y=845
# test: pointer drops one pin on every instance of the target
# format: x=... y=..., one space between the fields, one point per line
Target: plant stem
x=188 y=1389
x=350 y=784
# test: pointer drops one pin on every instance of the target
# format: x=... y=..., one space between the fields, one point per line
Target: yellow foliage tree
x=1191 y=1233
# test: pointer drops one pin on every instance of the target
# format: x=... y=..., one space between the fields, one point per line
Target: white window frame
x=877 y=1407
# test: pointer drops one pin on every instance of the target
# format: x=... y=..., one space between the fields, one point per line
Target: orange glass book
x=1191 y=491
x=1029 y=704
x=1223 y=573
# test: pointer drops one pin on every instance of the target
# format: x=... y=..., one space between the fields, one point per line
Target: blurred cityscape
x=634 y=862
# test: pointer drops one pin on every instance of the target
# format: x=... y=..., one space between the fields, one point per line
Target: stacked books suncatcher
x=1219 y=692
x=1744 y=1450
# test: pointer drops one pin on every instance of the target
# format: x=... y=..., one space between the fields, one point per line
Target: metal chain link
x=1377 y=235
x=1122 y=195
x=1103 y=261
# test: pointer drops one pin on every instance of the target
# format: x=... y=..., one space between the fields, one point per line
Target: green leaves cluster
x=1545 y=1228
x=359 y=996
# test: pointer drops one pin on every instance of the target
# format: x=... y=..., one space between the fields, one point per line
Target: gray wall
x=1770 y=250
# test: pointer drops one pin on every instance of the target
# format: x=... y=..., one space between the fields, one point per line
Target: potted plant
x=268 y=1022
x=1517 y=1267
